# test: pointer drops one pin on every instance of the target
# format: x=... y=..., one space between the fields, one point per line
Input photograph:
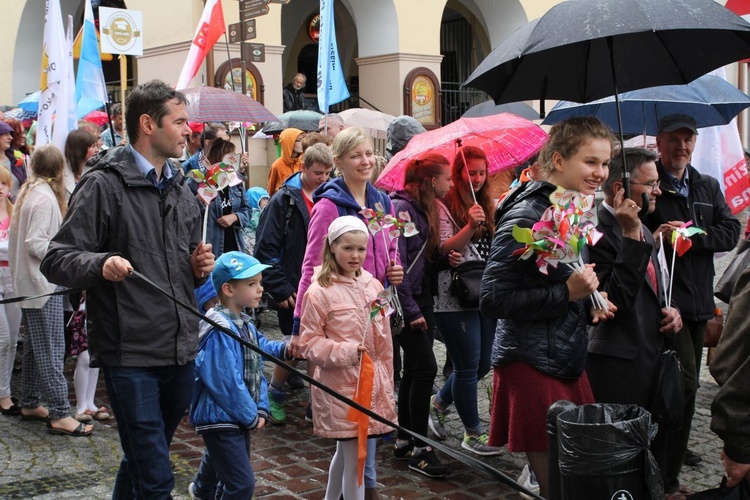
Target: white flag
x=66 y=118
x=53 y=70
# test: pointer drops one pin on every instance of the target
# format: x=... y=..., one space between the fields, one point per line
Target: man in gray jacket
x=133 y=211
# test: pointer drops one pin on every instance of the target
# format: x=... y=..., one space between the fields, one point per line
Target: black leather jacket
x=537 y=324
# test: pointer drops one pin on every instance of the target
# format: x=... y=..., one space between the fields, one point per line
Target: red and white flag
x=210 y=28
x=718 y=153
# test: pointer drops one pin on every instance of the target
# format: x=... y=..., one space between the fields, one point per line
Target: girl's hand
x=418 y=324
x=244 y=162
x=454 y=258
x=293 y=347
x=227 y=220
x=395 y=274
x=581 y=285
x=261 y=424
x=476 y=215
x=361 y=348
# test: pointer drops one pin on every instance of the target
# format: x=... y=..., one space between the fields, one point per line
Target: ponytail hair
x=418 y=179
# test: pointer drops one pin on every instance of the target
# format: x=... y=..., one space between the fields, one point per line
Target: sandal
x=84 y=417
x=100 y=414
x=13 y=409
x=78 y=431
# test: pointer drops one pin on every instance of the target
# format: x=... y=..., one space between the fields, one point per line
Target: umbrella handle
x=644 y=205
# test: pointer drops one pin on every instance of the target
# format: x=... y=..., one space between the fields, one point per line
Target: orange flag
x=363 y=396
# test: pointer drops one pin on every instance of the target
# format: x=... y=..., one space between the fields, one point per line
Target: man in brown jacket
x=730 y=367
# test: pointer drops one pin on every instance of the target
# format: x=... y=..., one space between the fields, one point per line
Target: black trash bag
x=739 y=492
x=604 y=449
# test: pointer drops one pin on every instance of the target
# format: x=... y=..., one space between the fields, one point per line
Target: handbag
x=667 y=398
x=466 y=278
x=741 y=260
x=714 y=329
x=397 y=316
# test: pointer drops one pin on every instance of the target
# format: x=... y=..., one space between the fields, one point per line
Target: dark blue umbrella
x=710 y=100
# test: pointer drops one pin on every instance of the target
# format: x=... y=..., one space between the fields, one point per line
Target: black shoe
x=427 y=463
x=403 y=452
x=692 y=458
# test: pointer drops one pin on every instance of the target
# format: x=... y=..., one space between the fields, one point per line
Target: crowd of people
x=101 y=214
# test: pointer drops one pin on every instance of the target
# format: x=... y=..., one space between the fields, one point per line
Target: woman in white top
x=10 y=314
x=466 y=227
x=39 y=209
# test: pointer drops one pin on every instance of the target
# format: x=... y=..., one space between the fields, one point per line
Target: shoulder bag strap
x=470 y=243
x=417 y=257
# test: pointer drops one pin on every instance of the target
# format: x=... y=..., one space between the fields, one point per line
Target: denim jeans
x=226 y=459
x=420 y=369
x=468 y=337
x=148 y=404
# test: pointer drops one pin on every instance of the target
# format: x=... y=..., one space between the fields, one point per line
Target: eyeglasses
x=652 y=185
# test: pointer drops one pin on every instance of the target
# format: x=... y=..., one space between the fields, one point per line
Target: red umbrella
x=97 y=117
x=206 y=104
x=507 y=140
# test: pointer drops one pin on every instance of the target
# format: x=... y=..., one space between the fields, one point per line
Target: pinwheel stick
x=205 y=223
x=666 y=290
x=596 y=297
x=671 y=277
x=466 y=168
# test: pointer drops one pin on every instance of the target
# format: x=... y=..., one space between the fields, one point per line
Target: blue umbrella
x=710 y=100
x=20 y=114
x=31 y=102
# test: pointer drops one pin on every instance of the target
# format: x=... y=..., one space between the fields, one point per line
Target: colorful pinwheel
x=216 y=177
x=566 y=227
x=681 y=243
x=378 y=221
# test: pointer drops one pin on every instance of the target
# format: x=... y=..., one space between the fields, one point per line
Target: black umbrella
x=583 y=50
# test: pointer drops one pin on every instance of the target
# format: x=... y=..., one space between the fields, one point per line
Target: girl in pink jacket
x=335 y=328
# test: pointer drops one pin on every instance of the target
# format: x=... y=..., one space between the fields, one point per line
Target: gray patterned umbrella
x=207 y=104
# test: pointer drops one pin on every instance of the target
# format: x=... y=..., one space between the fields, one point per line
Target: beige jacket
x=331 y=327
x=31 y=230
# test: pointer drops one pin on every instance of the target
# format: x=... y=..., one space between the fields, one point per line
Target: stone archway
x=301 y=49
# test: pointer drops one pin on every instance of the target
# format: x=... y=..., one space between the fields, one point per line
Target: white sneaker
x=527 y=479
x=191 y=491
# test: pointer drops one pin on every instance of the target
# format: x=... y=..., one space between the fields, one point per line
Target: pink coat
x=333 y=321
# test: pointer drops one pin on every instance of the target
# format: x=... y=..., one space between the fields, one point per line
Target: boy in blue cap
x=230 y=397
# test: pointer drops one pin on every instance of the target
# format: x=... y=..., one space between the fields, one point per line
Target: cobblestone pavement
x=289 y=461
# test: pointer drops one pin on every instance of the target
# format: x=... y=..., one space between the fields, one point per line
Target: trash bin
x=604 y=454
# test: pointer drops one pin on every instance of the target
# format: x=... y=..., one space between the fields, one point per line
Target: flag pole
x=229 y=61
x=123 y=85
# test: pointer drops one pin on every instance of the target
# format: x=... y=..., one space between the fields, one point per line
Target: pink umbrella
x=507 y=139
x=97 y=117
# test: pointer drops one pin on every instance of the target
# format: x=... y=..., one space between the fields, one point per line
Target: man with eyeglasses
x=624 y=351
x=689 y=196
x=330 y=125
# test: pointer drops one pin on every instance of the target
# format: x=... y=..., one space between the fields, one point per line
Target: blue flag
x=91 y=91
x=331 y=83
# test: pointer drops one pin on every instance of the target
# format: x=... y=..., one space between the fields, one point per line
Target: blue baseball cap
x=235 y=266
